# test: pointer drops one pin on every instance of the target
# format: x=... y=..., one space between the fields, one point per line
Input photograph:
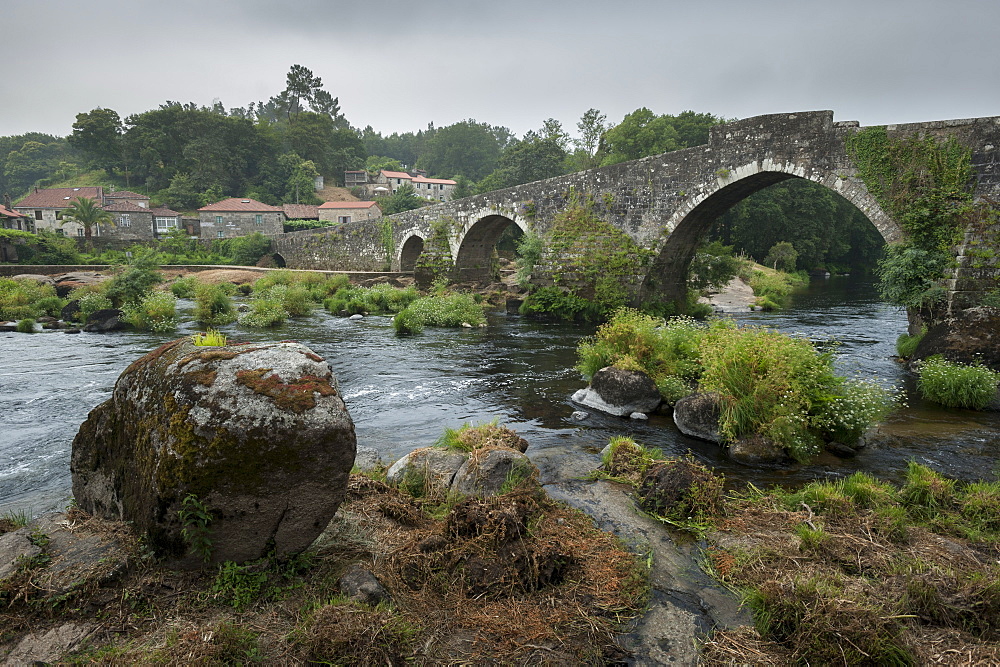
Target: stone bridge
x=665 y=203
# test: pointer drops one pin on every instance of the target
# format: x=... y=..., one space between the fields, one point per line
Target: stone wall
x=227 y=224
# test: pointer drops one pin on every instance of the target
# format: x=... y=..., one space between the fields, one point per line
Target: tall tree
x=591 y=127
x=98 y=134
x=533 y=158
x=467 y=147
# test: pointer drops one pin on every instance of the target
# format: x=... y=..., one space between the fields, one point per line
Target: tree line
x=185 y=156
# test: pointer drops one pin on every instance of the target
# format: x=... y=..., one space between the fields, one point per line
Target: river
x=403 y=392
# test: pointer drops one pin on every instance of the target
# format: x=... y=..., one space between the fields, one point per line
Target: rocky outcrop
x=104 y=320
x=973 y=336
x=620 y=392
x=697 y=415
x=68 y=282
x=487 y=461
x=248 y=447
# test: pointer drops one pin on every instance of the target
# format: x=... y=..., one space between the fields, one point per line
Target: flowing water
x=403 y=392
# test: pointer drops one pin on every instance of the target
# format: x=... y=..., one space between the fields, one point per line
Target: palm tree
x=86 y=212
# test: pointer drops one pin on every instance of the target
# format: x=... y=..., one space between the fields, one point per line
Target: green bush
x=135 y=280
x=451 y=310
x=243 y=250
x=957 y=385
x=560 y=304
x=407 y=322
x=213 y=307
x=27 y=298
x=382 y=299
x=662 y=350
x=90 y=303
x=27 y=325
x=771 y=289
x=49 y=248
x=156 y=311
x=263 y=313
x=856 y=406
x=184 y=288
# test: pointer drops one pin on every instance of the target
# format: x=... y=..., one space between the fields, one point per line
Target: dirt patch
x=334 y=193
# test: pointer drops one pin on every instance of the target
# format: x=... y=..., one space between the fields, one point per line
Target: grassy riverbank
x=514 y=578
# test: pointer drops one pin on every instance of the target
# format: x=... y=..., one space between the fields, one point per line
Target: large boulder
x=697 y=415
x=620 y=392
x=238 y=450
x=970 y=337
x=68 y=282
x=106 y=319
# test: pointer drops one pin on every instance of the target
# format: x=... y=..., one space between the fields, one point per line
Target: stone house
x=133 y=217
x=300 y=211
x=349 y=211
x=10 y=219
x=239 y=216
x=388 y=182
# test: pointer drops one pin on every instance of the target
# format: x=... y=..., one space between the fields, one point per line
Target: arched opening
x=761 y=210
x=477 y=259
x=410 y=252
x=279 y=261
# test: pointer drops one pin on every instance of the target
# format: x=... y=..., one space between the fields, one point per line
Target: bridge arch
x=409 y=250
x=667 y=277
x=472 y=249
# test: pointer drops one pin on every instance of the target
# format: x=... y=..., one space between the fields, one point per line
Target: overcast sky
x=399 y=65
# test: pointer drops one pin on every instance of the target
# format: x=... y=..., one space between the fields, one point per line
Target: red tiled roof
x=424 y=179
x=124 y=194
x=60 y=197
x=300 y=211
x=348 y=204
x=7 y=213
x=125 y=207
x=237 y=204
x=163 y=212
x=395 y=174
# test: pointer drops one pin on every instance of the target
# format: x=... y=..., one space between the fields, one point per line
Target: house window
x=218 y=219
x=125 y=220
x=258 y=219
x=221 y=234
x=59 y=215
x=163 y=224
x=79 y=232
x=38 y=215
x=343 y=219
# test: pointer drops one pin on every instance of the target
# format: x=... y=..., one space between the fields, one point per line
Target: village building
x=10 y=219
x=300 y=211
x=388 y=182
x=349 y=211
x=133 y=218
x=239 y=216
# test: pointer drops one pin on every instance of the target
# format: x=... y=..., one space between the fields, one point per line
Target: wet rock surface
x=971 y=337
x=697 y=415
x=248 y=447
x=620 y=392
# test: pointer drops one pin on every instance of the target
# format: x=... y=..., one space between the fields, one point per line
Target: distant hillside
x=333 y=193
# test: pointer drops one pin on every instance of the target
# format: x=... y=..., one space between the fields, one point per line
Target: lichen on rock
x=259 y=435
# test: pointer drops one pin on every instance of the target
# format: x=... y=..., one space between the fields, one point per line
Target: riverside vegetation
x=849 y=571
x=515 y=577
x=767 y=383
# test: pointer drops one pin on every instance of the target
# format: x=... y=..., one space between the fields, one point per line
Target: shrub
x=243 y=250
x=213 y=306
x=772 y=290
x=407 y=322
x=26 y=298
x=135 y=281
x=957 y=385
x=848 y=415
x=157 y=311
x=90 y=303
x=264 y=312
x=184 y=288
x=451 y=310
x=27 y=325
x=768 y=384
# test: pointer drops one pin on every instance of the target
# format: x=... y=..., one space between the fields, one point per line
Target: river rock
x=45 y=647
x=970 y=337
x=620 y=392
x=36 y=277
x=756 y=449
x=697 y=415
x=104 y=320
x=258 y=434
x=70 y=310
x=68 y=282
x=438 y=466
x=485 y=473
x=359 y=584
